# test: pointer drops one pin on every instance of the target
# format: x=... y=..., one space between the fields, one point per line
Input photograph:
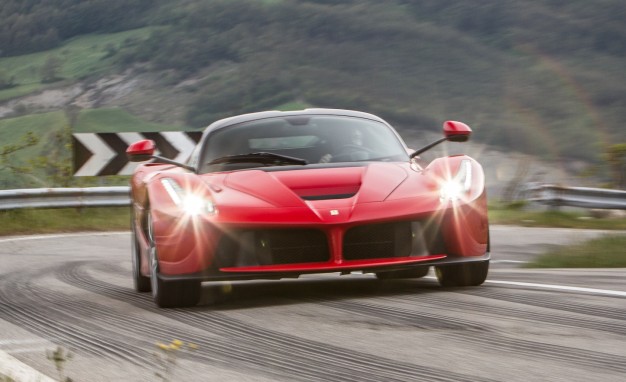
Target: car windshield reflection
x=315 y=139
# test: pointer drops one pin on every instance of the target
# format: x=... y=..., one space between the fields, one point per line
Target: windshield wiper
x=259 y=157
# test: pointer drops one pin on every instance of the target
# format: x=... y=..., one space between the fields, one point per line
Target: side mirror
x=453 y=131
x=140 y=151
x=456 y=131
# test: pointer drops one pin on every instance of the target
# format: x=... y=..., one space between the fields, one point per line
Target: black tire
x=169 y=294
x=141 y=282
x=459 y=275
x=404 y=274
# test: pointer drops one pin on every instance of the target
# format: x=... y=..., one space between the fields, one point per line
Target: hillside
x=543 y=77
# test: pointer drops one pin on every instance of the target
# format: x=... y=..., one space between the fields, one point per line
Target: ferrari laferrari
x=274 y=195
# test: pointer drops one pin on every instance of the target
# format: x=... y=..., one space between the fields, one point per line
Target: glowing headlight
x=451 y=190
x=191 y=204
x=455 y=188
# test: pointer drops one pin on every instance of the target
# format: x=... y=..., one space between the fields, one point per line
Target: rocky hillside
x=541 y=77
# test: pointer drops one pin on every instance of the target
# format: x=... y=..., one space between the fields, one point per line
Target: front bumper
x=294 y=271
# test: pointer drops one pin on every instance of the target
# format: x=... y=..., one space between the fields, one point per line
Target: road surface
x=75 y=291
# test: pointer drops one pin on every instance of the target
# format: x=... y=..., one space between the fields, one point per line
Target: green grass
x=80 y=57
x=18 y=91
x=116 y=120
x=13 y=130
x=36 y=221
x=561 y=219
x=603 y=252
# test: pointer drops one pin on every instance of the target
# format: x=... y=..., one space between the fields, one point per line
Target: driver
x=355 y=141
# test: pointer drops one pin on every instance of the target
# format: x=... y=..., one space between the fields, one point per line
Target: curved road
x=522 y=325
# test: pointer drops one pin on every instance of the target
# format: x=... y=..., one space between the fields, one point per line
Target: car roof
x=275 y=113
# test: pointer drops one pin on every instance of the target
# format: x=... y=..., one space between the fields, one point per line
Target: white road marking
x=19 y=371
x=40 y=350
x=62 y=236
x=22 y=342
x=601 y=292
x=604 y=292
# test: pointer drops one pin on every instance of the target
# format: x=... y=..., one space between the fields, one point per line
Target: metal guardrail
x=64 y=197
x=557 y=196
x=548 y=194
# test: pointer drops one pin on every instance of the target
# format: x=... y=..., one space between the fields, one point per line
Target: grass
x=560 y=219
x=39 y=221
x=79 y=57
x=13 y=130
x=18 y=91
x=116 y=120
x=604 y=252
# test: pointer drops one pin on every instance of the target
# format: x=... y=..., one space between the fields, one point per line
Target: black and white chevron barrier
x=97 y=154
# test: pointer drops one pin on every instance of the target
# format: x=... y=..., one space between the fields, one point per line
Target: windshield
x=316 y=139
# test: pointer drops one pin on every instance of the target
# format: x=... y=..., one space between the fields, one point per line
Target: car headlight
x=455 y=188
x=190 y=203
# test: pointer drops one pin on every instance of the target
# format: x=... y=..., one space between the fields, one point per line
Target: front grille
x=377 y=241
x=242 y=248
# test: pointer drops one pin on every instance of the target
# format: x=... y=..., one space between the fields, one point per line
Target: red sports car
x=279 y=194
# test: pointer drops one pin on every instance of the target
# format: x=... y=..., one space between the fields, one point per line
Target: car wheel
x=404 y=274
x=169 y=294
x=141 y=282
x=467 y=274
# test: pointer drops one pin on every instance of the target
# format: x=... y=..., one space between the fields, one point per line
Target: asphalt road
x=75 y=291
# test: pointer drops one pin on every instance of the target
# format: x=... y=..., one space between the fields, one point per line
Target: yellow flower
x=163 y=346
x=178 y=343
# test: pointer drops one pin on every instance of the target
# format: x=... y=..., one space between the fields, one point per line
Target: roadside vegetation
x=116 y=218
x=112 y=120
x=514 y=215
x=42 y=221
x=492 y=65
x=41 y=155
x=603 y=252
x=80 y=58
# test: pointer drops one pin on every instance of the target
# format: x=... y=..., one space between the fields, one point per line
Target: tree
x=8 y=163
x=6 y=82
x=50 y=70
x=57 y=161
x=616 y=159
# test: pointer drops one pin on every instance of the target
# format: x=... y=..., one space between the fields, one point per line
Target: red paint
x=456 y=131
x=145 y=147
x=331 y=267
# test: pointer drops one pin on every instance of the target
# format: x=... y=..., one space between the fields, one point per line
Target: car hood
x=372 y=182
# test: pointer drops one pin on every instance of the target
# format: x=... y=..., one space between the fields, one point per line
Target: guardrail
x=548 y=194
x=64 y=197
x=557 y=196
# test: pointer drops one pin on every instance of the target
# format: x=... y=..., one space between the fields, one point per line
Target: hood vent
x=328 y=197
